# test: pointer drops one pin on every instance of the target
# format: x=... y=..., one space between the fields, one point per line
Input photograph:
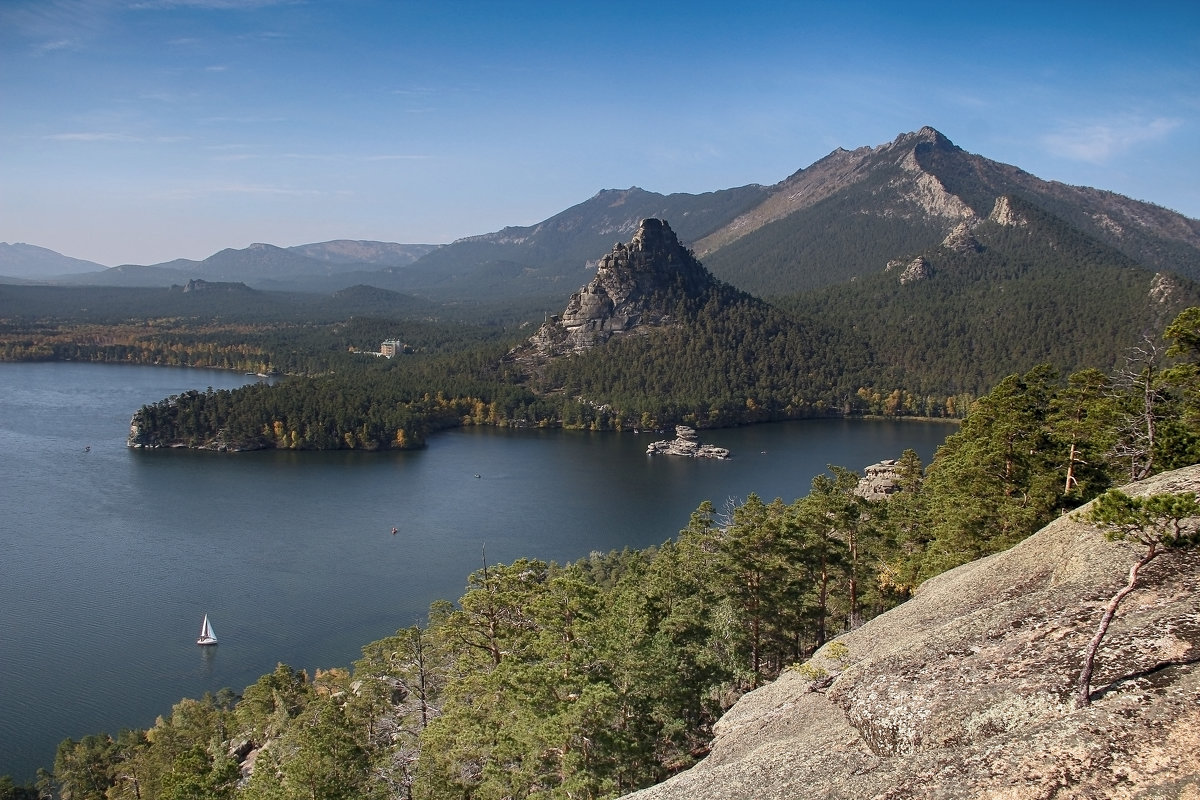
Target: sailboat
x=207 y=636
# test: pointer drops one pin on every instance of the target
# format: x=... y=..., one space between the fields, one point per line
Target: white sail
x=207 y=635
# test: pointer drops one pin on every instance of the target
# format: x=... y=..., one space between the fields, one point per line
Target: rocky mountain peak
x=636 y=287
x=909 y=189
x=653 y=255
x=928 y=136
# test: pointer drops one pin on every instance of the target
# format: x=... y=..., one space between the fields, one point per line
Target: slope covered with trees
x=992 y=302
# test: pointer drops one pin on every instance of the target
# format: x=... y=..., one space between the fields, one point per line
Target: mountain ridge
x=843 y=217
x=28 y=261
x=861 y=196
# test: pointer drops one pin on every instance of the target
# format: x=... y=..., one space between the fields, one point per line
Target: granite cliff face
x=636 y=287
x=965 y=691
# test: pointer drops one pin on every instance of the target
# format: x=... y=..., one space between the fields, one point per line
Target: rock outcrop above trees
x=635 y=288
x=966 y=690
x=879 y=481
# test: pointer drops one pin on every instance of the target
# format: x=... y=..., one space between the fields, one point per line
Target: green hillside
x=1042 y=292
x=829 y=243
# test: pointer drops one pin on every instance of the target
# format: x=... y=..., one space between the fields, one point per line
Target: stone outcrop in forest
x=879 y=481
x=966 y=690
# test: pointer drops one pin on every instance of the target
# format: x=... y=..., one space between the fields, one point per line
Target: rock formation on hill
x=635 y=288
x=965 y=691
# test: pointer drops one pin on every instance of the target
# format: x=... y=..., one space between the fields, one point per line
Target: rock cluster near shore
x=685 y=444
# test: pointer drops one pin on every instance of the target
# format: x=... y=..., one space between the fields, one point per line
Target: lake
x=112 y=556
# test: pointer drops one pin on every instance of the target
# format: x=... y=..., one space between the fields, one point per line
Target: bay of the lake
x=112 y=556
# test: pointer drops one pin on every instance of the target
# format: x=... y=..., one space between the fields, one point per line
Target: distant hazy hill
x=260 y=262
x=557 y=256
x=20 y=260
x=359 y=253
x=321 y=267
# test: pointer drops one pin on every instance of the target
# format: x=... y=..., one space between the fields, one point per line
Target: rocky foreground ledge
x=966 y=690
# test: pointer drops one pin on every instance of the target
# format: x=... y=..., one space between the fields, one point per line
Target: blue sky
x=137 y=131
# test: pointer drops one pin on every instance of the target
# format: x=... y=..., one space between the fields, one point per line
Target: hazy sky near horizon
x=138 y=131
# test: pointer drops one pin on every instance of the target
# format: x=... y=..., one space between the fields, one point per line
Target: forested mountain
x=1004 y=293
x=852 y=212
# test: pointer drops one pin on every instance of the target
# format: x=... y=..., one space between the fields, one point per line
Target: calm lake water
x=112 y=556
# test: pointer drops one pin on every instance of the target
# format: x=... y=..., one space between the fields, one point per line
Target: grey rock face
x=635 y=288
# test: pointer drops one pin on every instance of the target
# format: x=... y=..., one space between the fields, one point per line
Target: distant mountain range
x=845 y=217
x=27 y=261
x=322 y=267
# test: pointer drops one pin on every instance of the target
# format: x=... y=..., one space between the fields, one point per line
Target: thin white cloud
x=92 y=136
x=1097 y=143
x=56 y=20
x=259 y=189
x=248 y=119
x=260 y=156
x=213 y=5
x=112 y=136
x=397 y=157
x=251 y=188
x=55 y=45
